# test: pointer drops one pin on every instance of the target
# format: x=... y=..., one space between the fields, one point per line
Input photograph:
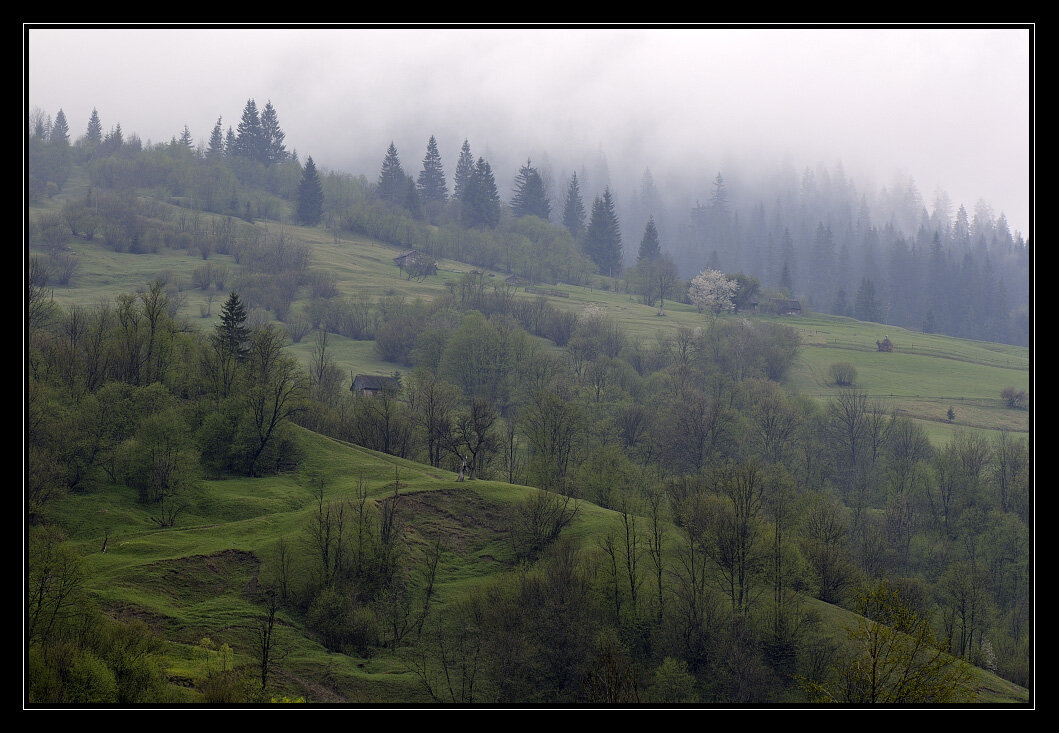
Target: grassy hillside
x=925 y=375
x=198 y=579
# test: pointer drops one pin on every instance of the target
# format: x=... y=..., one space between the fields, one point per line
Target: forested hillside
x=608 y=466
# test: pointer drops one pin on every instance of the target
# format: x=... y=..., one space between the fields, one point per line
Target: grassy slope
x=195 y=580
x=923 y=378
x=191 y=581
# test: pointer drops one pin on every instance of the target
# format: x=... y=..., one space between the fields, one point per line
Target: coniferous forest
x=539 y=501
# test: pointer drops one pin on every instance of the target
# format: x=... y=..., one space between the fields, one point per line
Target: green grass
x=197 y=579
x=925 y=375
x=192 y=580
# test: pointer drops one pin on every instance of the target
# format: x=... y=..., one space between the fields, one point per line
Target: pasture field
x=925 y=376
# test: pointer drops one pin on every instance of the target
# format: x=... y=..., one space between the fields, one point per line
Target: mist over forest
x=512 y=367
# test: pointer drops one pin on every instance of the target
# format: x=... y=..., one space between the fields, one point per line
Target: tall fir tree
x=603 y=236
x=866 y=307
x=248 y=137
x=215 y=149
x=273 y=150
x=230 y=145
x=392 y=180
x=60 y=130
x=94 y=133
x=574 y=209
x=431 y=183
x=231 y=344
x=464 y=171
x=481 y=199
x=310 y=194
x=649 y=246
x=530 y=198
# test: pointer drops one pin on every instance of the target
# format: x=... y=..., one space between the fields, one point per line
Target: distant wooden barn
x=885 y=345
x=784 y=307
x=416 y=264
x=369 y=385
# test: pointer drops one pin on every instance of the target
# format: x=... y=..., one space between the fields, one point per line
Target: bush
x=843 y=373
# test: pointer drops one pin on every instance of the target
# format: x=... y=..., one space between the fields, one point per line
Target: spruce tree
x=273 y=150
x=94 y=134
x=431 y=184
x=185 y=138
x=603 y=236
x=464 y=171
x=310 y=195
x=215 y=150
x=231 y=343
x=248 y=135
x=392 y=188
x=574 y=209
x=481 y=200
x=232 y=332
x=230 y=143
x=60 y=130
x=866 y=307
x=649 y=245
x=412 y=201
x=530 y=198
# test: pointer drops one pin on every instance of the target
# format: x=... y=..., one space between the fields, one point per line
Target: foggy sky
x=948 y=107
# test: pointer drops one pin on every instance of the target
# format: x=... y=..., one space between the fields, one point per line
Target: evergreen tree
x=866 y=307
x=431 y=184
x=603 y=236
x=392 y=188
x=481 y=200
x=530 y=198
x=185 y=138
x=248 y=135
x=231 y=344
x=649 y=246
x=310 y=194
x=464 y=171
x=60 y=131
x=574 y=209
x=215 y=151
x=412 y=202
x=232 y=333
x=94 y=134
x=230 y=145
x=841 y=305
x=273 y=150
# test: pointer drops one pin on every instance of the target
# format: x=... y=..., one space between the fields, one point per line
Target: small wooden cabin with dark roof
x=370 y=385
x=784 y=307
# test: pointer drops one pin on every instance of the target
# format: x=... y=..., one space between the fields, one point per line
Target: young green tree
x=894 y=658
x=310 y=194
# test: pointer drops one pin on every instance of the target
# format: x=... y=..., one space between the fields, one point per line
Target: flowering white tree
x=711 y=290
